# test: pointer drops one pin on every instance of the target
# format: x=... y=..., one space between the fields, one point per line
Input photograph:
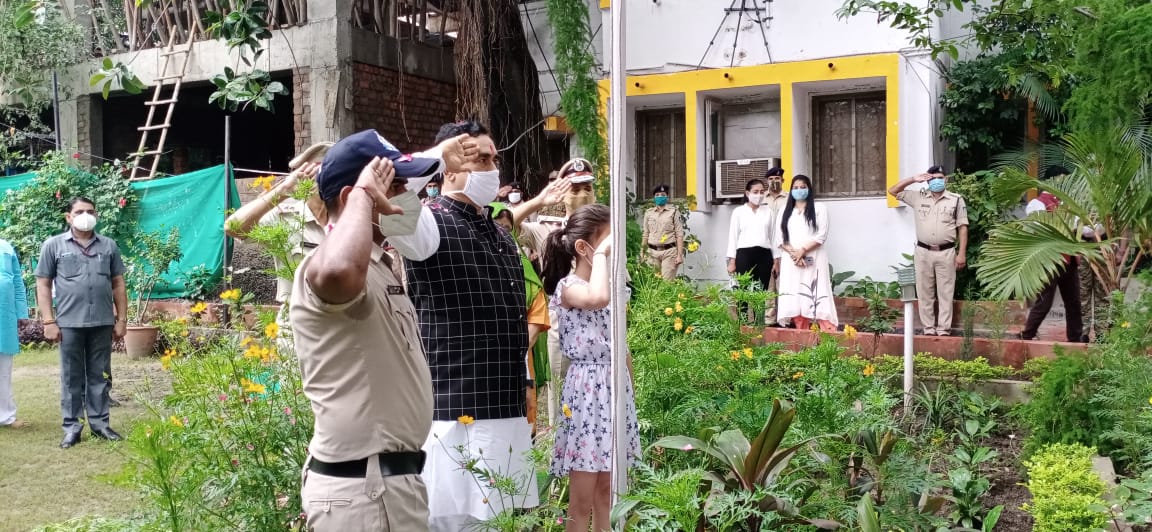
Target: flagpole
x=618 y=205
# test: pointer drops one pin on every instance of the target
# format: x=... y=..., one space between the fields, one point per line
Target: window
x=849 y=144
x=660 y=157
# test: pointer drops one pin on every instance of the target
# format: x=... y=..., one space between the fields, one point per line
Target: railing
x=432 y=22
x=120 y=26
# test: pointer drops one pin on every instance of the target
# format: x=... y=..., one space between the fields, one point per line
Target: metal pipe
x=618 y=197
x=226 y=261
x=909 y=360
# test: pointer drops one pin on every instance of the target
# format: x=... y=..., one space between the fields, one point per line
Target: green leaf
x=1021 y=256
x=96 y=79
x=107 y=63
x=866 y=516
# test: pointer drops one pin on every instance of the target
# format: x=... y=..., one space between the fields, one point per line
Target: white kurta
x=458 y=499
x=807 y=291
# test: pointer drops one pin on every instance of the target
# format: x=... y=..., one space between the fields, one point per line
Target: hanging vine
x=579 y=92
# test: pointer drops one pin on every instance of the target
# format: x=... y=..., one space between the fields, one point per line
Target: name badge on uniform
x=395 y=290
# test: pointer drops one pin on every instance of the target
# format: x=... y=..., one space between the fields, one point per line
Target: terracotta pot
x=140 y=341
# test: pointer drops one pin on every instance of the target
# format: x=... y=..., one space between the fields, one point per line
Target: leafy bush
x=224 y=450
x=1061 y=410
x=1064 y=489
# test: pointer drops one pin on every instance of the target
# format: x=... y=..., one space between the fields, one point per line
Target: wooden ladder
x=176 y=79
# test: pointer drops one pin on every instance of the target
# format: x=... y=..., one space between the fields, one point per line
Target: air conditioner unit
x=733 y=175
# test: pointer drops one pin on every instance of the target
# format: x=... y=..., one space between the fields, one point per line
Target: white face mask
x=482 y=187
x=84 y=222
x=401 y=224
x=514 y=198
x=755 y=199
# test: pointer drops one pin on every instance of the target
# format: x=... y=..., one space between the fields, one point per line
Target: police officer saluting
x=363 y=367
x=941 y=245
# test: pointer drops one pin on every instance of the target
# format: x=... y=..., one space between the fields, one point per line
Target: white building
x=846 y=102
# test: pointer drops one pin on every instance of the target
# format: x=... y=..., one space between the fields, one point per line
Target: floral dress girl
x=584 y=435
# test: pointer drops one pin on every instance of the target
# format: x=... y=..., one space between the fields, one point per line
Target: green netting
x=194 y=203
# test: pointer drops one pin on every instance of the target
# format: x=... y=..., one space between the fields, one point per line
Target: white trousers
x=7 y=399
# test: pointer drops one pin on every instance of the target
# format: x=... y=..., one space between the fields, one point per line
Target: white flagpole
x=619 y=195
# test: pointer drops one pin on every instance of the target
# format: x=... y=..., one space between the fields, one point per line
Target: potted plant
x=152 y=255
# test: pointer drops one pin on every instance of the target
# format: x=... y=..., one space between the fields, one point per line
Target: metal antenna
x=714 y=35
x=736 y=38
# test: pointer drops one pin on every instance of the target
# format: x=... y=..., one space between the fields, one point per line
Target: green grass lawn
x=40 y=483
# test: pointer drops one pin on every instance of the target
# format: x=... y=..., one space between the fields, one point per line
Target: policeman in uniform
x=663 y=234
x=361 y=359
x=941 y=245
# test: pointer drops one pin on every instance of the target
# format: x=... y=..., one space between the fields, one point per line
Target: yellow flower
x=814 y=327
x=668 y=311
x=198 y=308
x=681 y=296
x=465 y=420
x=678 y=324
x=849 y=332
x=869 y=370
x=271 y=330
x=175 y=421
x=689 y=329
x=263 y=182
x=1125 y=325
x=230 y=295
x=691 y=205
x=166 y=360
x=184 y=333
x=679 y=307
x=182 y=320
x=748 y=352
x=567 y=410
x=247 y=340
x=251 y=387
x=734 y=355
x=797 y=375
x=1150 y=400
x=693 y=246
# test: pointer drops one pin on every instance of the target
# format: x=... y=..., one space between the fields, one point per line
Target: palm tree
x=1109 y=188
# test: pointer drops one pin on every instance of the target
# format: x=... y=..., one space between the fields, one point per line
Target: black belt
x=941 y=247
x=661 y=247
x=391 y=464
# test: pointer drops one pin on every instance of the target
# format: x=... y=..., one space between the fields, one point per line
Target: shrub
x=1064 y=489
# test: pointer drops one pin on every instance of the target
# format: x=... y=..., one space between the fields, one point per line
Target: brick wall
x=406 y=109
x=301 y=108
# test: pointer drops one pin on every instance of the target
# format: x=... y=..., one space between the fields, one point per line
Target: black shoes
x=107 y=434
x=70 y=439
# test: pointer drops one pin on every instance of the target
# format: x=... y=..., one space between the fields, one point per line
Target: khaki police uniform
x=366 y=375
x=937 y=222
x=662 y=230
x=776 y=203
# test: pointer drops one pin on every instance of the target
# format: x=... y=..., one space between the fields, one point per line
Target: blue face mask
x=433 y=192
x=799 y=194
x=660 y=201
x=936 y=184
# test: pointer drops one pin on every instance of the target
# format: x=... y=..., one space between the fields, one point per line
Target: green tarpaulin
x=192 y=202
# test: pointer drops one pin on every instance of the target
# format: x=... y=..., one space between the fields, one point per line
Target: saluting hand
x=922 y=178
x=555 y=191
x=459 y=151
x=376 y=179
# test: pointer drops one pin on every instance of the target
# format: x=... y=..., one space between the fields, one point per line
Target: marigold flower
x=264 y=182
x=198 y=308
x=693 y=246
x=668 y=311
x=247 y=340
x=734 y=355
x=271 y=330
x=814 y=327
x=797 y=375
x=748 y=352
x=849 y=332
x=251 y=387
x=175 y=421
x=165 y=361
x=869 y=370
x=678 y=324
x=184 y=333
x=1125 y=325
x=466 y=420
x=230 y=295
x=681 y=296
x=567 y=410
x=679 y=307
x=689 y=329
